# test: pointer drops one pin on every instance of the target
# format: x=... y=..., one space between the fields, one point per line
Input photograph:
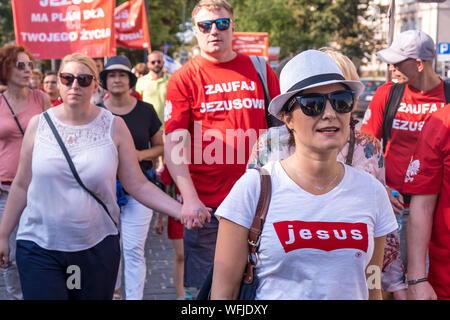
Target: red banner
x=252 y=43
x=52 y=29
x=131 y=25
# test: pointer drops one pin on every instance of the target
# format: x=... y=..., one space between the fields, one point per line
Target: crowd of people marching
x=88 y=154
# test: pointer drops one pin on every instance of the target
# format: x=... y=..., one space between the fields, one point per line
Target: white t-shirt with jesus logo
x=313 y=246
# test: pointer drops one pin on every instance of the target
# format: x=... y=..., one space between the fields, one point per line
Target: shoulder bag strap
x=351 y=144
x=258 y=223
x=260 y=65
x=390 y=110
x=72 y=166
x=14 y=115
x=447 y=91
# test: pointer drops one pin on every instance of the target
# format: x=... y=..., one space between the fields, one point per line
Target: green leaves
x=296 y=25
x=6 y=22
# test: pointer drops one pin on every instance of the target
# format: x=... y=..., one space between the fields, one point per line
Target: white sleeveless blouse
x=59 y=214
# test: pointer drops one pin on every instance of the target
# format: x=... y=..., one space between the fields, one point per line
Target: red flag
x=252 y=43
x=52 y=29
x=131 y=25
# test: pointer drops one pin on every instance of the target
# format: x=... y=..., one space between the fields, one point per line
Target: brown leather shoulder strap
x=261 y=210
x=258 y=223
x=351 y=148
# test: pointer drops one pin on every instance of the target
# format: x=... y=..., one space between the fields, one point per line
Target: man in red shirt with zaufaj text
x=410 y=59
x=214 y=109
x=410 y=56
x=428 y=179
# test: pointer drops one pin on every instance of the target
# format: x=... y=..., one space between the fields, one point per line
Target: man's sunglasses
x=313 y=104
x=84 y=80
x=221 y=24
x=155 y=62
x=22 y=65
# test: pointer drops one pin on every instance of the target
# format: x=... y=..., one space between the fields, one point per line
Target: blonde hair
x=212 y=5
x=80 y=58
x=344 y=63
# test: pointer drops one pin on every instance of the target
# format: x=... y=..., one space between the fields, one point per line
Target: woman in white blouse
x=67 y=242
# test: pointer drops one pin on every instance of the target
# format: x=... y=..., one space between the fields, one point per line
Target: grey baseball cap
x=413 y=44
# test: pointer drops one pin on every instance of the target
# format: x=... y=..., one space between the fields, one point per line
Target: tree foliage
x=296 y=25
x=6 y=22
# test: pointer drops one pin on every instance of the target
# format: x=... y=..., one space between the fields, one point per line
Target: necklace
x=312 y=185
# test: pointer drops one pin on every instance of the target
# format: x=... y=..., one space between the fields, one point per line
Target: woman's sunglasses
x=313 y=104
x=84 y=80
x=22 y=65
x=221 y=24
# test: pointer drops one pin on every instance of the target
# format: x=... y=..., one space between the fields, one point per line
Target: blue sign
x=443 y=48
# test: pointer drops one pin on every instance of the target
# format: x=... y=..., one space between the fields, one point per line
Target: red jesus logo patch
x=325 y=236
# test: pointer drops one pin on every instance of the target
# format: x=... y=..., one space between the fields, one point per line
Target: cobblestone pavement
x=159 y=253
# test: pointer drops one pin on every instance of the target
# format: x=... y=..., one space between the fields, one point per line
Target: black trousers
x=56 y=275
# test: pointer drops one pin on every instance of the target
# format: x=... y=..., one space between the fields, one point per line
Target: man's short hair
x=212 y=5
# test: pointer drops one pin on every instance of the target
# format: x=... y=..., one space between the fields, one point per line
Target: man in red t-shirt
x=215 y=107
x=410 y=57
x=428 y=179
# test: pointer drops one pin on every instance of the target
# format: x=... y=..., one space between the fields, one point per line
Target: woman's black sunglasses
x=313 y=104
x=221 y=24
x=84 y=80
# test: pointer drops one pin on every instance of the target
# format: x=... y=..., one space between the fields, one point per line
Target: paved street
x=159 y=253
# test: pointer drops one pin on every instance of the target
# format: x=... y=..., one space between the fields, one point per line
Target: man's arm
x=156 y=150
x=194 y=212
x=417 y=239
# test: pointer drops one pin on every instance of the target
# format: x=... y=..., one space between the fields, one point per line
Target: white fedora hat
x=309 y=69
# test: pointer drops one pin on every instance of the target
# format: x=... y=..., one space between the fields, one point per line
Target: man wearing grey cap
x=398 y=112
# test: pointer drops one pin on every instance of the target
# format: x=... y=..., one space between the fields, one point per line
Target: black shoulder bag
x=250 y=281
x=72 y=166
x=14 y=115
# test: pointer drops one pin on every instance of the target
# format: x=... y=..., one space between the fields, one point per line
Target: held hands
x=4 y=253
x=421 y=291
x=159 y=224
x=194 y=214
x=397 y=203
x=2 y=190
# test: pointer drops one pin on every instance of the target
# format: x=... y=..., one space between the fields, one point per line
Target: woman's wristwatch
x=416 y=281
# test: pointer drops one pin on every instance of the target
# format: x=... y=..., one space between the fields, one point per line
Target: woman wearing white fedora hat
x=362 y=151
x=325 y=229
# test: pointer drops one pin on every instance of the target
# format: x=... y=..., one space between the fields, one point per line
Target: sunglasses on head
x=155 y=62
x=22 y=65
x=221 y=24
x=313 y=104
x=84 y=80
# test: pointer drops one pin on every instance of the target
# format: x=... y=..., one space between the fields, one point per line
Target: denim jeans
x=56 y=275
x=11 y=274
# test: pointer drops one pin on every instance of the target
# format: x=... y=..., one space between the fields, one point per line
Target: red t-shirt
x=56 y=102
x=224 y=101
x=415 y=108
x=133 y=93
x=429 y=173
